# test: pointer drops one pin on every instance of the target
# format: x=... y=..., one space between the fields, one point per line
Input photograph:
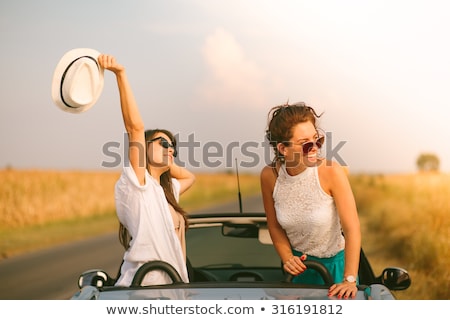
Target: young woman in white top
x=152 y=223
x=309 y=203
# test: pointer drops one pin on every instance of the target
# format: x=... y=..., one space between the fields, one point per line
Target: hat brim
x=59 y=77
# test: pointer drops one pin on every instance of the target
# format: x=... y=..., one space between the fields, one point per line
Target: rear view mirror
x=395 y=278
x=247 y=231
x=240 y=230
x=264 y=235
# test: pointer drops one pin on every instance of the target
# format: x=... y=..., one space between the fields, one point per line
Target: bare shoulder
x=268 y=176
x=332 y=174
x=266 y=171
x=331 y=167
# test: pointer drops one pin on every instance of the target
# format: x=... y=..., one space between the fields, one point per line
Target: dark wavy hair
x=281 y=121
x=166 y=184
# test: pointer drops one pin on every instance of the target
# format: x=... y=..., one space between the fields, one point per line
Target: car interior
x=239 y=251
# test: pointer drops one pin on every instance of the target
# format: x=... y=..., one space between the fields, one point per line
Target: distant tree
x=428 y=162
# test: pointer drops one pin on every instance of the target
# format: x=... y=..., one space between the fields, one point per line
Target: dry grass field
x=406 y=221
x=404 y=218
x=37 y=197
x=41 y=208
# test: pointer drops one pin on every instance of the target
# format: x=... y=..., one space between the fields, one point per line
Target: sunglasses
x=165 y=144
x=307 y=146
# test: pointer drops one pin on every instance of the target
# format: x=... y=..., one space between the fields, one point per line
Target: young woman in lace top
x=309 y=203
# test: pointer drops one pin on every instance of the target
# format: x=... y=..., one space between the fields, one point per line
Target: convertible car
x=231 y=257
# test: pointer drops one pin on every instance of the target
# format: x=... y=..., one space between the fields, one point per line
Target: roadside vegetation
x=404 y=218
x=406 y=222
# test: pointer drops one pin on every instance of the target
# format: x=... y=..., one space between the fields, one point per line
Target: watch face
x=350 y=279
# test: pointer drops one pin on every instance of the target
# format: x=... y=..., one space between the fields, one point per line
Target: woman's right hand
x=109 y=62
x=294 y=265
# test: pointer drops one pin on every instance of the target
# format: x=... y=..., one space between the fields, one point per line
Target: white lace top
x=307 y=213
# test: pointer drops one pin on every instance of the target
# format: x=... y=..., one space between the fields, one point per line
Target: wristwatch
x=350 y=278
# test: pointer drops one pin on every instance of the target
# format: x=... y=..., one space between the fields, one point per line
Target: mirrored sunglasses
x=307 y=146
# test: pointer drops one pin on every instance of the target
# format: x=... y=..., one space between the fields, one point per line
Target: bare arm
x=291 y=263
x=131 y=117
x=346 y=207
x=184 y=176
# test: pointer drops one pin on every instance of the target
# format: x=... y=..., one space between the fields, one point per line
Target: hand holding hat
x=109 y=62
x=77 y=80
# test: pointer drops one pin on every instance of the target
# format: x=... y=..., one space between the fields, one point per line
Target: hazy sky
x=210 y=71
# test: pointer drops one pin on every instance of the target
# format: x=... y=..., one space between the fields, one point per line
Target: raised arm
x=131 y=117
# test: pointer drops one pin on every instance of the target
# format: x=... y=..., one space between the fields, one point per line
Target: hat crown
x=81 y=82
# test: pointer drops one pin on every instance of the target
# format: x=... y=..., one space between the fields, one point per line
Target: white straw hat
x=77 y=81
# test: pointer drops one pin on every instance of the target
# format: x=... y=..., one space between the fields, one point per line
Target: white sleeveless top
x=307 y=213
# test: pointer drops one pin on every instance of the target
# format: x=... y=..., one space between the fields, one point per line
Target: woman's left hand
x=343 y=290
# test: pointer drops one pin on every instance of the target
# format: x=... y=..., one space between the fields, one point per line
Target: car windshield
x=208 y=247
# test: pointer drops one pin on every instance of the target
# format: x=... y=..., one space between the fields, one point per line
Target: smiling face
x=298 y=150
x=291 y=126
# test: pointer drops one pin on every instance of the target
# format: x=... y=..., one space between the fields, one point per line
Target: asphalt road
x=52 y=274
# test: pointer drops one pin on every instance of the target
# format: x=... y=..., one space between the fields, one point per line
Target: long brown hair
x=166 y=184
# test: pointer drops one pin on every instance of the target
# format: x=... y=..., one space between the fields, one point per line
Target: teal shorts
x=335 y=266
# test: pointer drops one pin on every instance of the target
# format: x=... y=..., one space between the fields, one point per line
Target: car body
x=231 y=256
